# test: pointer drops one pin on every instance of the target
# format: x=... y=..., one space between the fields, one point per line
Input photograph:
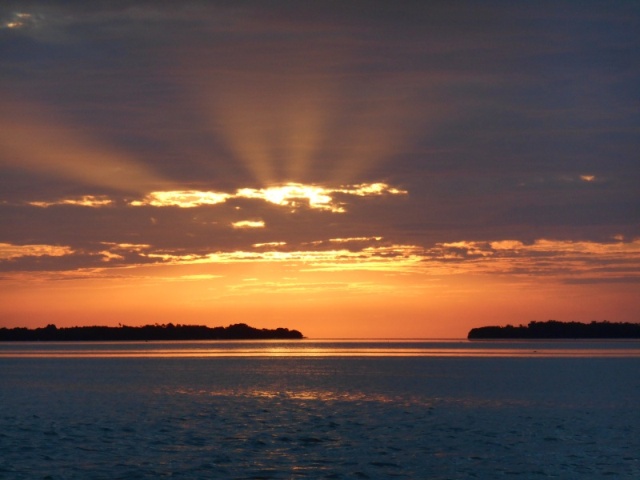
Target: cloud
x=555 y=261
x=182 y=199
x=9 y=251
x=387 y=258
x=290 y=195
x=567 y=261
x=346 y=240
x=20 y=21
x=108 y=256
x=248 y=224
x=268 y=244
x=93 y=201
x=562 y=260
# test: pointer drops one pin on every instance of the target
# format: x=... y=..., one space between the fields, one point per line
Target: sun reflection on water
x=321 y=349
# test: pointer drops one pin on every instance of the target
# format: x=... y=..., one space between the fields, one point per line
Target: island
x=239 y=331
x=555 y=329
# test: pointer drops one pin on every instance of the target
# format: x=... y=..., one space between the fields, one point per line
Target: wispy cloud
x=20 y=21
x=182 y=199
x=11 y=252
x=555 y=261
x=568 y=261
x=93 y=201
x=392 y=258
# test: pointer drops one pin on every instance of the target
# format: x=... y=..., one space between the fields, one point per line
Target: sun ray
x=36 y=139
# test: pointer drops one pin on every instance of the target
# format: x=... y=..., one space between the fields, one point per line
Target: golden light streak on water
x=297 y=349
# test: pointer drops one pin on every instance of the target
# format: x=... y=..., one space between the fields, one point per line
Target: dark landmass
x=555 y=329
x=239 y=331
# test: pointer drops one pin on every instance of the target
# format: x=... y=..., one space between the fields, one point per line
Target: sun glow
x=248 y=224
x=182 y=199
x=293 y=195
x=290 y=195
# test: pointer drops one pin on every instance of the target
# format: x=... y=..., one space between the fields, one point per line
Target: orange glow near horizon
x=357 y=304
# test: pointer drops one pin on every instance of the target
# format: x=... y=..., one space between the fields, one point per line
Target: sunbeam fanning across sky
x=32 y=138
x=287 y=128
x=358 y=169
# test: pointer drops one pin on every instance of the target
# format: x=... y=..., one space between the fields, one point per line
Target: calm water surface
x=327 y=348
x=437 y=409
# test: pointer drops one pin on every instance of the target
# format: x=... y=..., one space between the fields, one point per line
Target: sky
x=348 y=169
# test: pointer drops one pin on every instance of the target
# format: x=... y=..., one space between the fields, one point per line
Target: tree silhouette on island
x=555 y=329
x=238 y=331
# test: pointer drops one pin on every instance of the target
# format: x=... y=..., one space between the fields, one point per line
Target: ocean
x=429 y=409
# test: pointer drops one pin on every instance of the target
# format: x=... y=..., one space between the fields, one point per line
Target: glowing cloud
x=290 y=195
x=182 y=199
x=555 y=260
x=382 y=258
x=9 y=251
x=248 y=224
x=269 y=244
x=127 y=247
x=354 y=239
x=108 y=256
x=294 y=195
x=92 y=201
x=371 y=189
x=117 y=251
x=566 y=261
x=587 y=178
x=344 y=240
x=19 y=20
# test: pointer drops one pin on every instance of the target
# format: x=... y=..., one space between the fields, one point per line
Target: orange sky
x=386 y=301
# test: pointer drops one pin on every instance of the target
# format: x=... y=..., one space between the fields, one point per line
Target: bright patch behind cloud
x=248 y=224
x=290 y=195
x=182 y=199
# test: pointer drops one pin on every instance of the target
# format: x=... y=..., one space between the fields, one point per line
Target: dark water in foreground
x=436 y=410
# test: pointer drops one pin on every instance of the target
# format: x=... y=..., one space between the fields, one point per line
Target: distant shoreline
x=239 y=331
x=553 y=329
